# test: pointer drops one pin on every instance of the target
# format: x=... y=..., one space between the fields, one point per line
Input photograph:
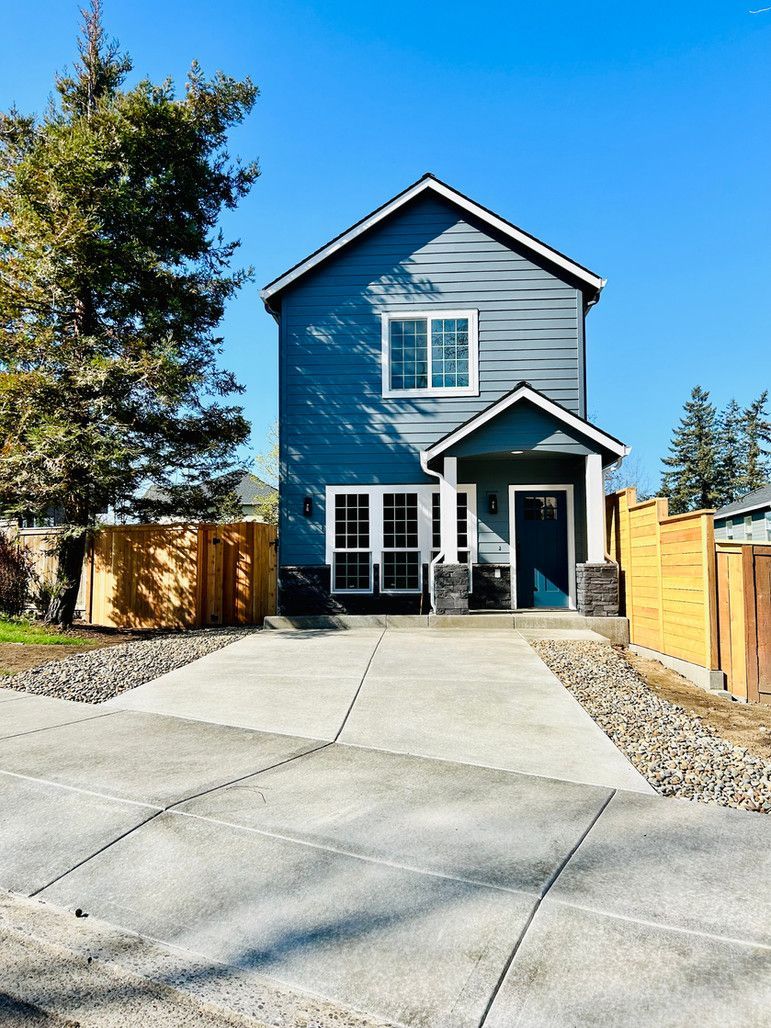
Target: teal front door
x=541 y=532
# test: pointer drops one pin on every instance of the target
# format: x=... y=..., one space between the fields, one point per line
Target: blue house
x=434 y=447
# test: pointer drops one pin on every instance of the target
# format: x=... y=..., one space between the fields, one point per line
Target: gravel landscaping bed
x=677 y=752
x=97 y=675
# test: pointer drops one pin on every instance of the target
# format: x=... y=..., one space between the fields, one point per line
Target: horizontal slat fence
x=667 y=576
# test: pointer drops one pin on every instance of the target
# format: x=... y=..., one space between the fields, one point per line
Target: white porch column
x=595 y=510
x=448 y=510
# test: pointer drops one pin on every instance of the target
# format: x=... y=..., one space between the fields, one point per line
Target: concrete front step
x=536 y=625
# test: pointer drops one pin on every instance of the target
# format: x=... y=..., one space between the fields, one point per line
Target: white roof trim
x=743 y=510
x=431 y=183
x=526 y=392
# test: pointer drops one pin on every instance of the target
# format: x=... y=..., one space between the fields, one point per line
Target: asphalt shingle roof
x=758 y=498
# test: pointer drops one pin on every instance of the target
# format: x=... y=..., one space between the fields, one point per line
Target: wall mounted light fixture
x=308 y=506
x=492 y=503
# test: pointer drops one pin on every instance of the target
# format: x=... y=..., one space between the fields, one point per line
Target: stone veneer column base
x=451 y=585
x=597 y=589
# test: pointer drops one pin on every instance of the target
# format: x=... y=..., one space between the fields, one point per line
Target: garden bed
x=679 y=752
x=101 y=671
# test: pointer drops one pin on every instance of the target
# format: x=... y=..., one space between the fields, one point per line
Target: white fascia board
x=526 y=393
x=504 y=227
x=743 y=510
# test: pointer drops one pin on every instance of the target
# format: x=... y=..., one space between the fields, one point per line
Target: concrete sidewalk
x=297 y=875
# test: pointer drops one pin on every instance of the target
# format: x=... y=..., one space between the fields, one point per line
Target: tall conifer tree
x=692 y=478
x=731 y=450
x=113 y=279
x=756 y=439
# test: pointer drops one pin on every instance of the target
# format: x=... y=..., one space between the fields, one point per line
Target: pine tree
x=731 y=452
x=692 y=479
x=113 y=279
x=756 y=439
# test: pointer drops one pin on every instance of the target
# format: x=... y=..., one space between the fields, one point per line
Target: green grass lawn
x=13 y=631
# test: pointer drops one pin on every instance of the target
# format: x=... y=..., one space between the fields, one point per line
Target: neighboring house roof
x=752 y=501
x=249 y=490
x=523 y=392
x=429 y=183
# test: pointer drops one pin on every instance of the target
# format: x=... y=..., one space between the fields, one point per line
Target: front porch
x=536 y=471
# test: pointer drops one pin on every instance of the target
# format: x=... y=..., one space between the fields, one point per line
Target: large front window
x=401 y=564
x=352 y=565
x=395 y=527
x=432 y=354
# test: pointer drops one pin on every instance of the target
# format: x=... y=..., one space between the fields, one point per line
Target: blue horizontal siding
x=335 y=425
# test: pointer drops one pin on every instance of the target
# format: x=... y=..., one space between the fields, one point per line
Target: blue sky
x=636 y=138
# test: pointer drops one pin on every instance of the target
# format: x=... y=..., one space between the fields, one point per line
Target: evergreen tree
x=731 y=452
x=113 y=279
x=756 y=439
x=692 y=479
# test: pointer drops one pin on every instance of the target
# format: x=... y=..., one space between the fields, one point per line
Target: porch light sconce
x=492 y=503
x=308 y=506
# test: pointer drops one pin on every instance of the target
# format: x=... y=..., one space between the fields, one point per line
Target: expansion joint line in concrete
x=64 y=724
x=358 y=688
x=536 y=907
x=170 y=807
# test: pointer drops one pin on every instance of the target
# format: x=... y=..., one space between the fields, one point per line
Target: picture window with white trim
x=352 y=564
x=430 y=354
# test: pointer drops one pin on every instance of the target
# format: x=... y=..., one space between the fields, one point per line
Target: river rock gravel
x=676 y=751
x=100 y=674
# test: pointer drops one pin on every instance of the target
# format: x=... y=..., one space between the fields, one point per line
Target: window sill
x=407 y=394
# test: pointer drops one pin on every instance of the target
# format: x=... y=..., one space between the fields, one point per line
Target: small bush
x=15 y=577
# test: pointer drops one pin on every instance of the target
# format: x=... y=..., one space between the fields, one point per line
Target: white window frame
x=425 y=533
x=348 y=549
x=472 y=389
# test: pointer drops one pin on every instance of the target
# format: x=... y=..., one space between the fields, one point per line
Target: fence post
x=710 y=586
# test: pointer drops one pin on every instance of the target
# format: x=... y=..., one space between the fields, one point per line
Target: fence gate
x=236 y=573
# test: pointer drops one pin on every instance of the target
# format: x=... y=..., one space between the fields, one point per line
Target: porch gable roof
x=525 y=393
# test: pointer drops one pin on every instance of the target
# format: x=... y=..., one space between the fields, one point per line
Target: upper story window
x=431 y=353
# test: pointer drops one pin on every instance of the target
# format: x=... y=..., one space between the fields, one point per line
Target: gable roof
x=430 y=184
x=525 y=392
x=755 y=500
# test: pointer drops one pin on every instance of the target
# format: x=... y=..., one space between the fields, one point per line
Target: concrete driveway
x=478 y=697
x=421 y=870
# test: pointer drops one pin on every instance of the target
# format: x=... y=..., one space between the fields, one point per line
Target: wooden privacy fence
x=40 y=545
x=687 y=596
x=744 y=618
x=182 y=576
x=666 y=576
